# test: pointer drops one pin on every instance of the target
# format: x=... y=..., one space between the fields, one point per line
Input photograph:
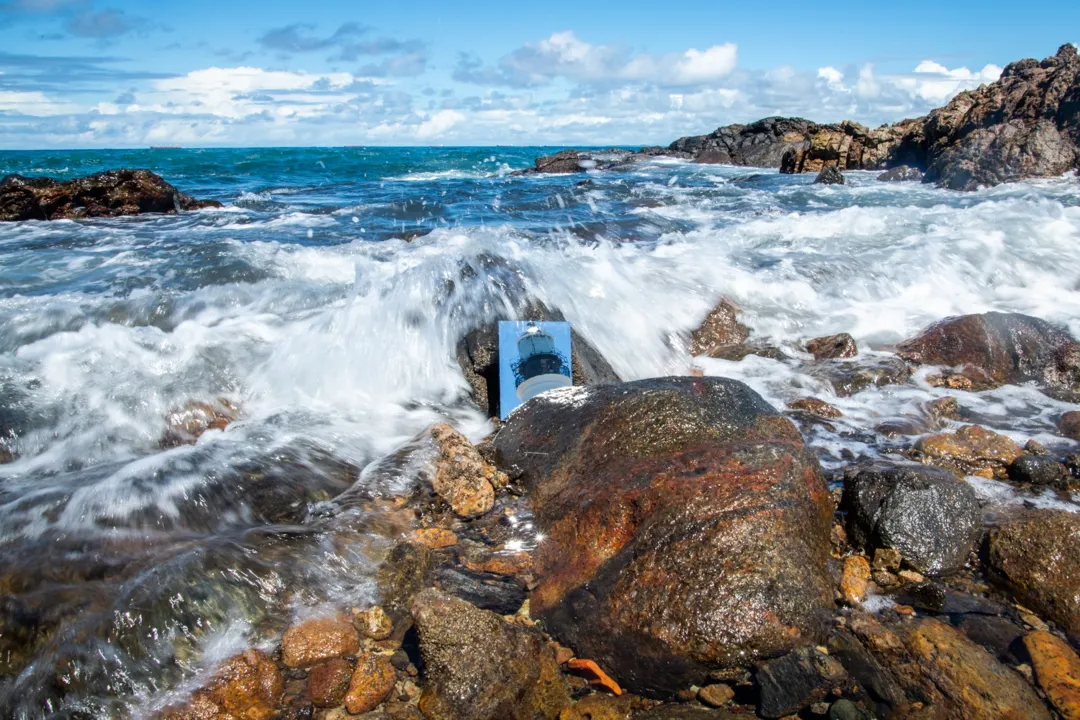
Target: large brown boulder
x=847 y=146
x=692 y=488
x=997 y=348
x=478 y=356
x=107 y=194
x=480 y=667
x=1038 y=558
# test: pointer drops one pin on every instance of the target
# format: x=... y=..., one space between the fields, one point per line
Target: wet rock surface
x=107 y=194
x=797 y=680
x=901 y=173
x=249 y=686
x=461 y=478
x=831 y=347
x=693 y=487
x=1038 y=558
x=1057 y=671
x=317 y=640
x=479 y=667
x=996 y=348
x=720 y=328
x=830 y=175
x=930 y=516
x=971 y=450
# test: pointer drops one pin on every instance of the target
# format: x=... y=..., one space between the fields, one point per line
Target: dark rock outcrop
x=1038 y=470
x=929 y=515
x=995 y=348
x=478 y=356
x=1038 y=559
x=577 y=161
x=798 y=679
x=901 y=173
x=1024 y=125
x=694 y=488
x=480 y=667
x=759 y=144
x=830 y=175
x=107 y=194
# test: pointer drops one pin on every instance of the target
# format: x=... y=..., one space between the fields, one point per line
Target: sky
x=120 y=73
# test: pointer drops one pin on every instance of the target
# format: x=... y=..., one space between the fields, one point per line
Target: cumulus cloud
x=564 y=55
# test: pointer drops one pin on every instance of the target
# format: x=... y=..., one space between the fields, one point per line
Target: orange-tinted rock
x=480 y=667
x=694 y=488
x=1057 y=671
x=1069 y=425
x=816 y=407
x=499 y=563
x=435 y=538
x=832 y=346
x=372 y=682
x=328 y=681
x=720 y=327
x=944 y=408
x=998 y=349
x=595 y=675
x=187 y=424
x=461 y=475
x=1038 y=558
x=855 y=579
x=248 y=686
x=717 y=695
x=971 y=450
x=317 y=640
x=375 y=623
x=923 y=668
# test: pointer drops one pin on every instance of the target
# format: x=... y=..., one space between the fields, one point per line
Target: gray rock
x=901 y=173
x=797 y=680
x=928 y=514
x=1038 y=470
x=830 y=175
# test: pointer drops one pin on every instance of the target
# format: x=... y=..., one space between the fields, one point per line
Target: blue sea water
x=325 y=302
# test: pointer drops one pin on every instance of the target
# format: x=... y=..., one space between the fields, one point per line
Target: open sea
x=325 y=302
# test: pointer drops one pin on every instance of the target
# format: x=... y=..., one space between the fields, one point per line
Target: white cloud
x=438 y=124
x=564 y=55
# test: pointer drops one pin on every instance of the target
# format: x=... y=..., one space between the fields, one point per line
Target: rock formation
x=107 y=194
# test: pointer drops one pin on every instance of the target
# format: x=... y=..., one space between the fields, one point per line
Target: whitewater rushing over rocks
x=305 y=336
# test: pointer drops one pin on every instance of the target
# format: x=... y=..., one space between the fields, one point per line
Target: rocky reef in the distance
x=1024 y=125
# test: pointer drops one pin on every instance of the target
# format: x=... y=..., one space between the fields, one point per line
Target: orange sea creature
x=594 y=674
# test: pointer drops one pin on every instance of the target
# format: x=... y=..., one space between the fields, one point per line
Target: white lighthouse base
x=541 y=383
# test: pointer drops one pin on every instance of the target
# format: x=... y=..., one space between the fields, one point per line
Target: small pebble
x=715 y=695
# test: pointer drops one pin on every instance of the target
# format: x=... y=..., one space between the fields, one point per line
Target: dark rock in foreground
x=694 y=488
x=108 y=194
x=1038 y=558
x=996 y=348
x=479 y=667
x=930 y=516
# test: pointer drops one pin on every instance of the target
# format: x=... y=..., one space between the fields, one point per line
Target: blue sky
x=115 y=73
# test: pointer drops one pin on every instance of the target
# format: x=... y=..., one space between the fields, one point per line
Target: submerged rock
x=721 y=327
x=816 y=407
x=849 y=377
x=996 y=348
x=693 y=487
x=930 y=516
x=1069 y=425
x=480 y=667
x=185 y=425
x=1038 y=559
x=107 y=194
x=901 y=173
x=971 y=450
x=830 y=347
x=830 y=175
x=247 y=686
x=478 y=356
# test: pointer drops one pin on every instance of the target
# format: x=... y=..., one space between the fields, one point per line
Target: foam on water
x=306 y=308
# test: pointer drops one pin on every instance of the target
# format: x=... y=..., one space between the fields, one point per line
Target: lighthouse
x=540 y=367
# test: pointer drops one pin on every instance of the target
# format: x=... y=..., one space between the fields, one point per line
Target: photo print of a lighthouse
x=534 y=357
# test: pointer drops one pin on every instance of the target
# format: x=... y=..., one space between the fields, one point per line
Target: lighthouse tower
x=540 y=367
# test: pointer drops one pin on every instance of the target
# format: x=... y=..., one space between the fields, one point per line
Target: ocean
x=325 y=302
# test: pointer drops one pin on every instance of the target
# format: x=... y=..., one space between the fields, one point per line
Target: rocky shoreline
x=670 y=548
x=1024 y=125
x=113 y=193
